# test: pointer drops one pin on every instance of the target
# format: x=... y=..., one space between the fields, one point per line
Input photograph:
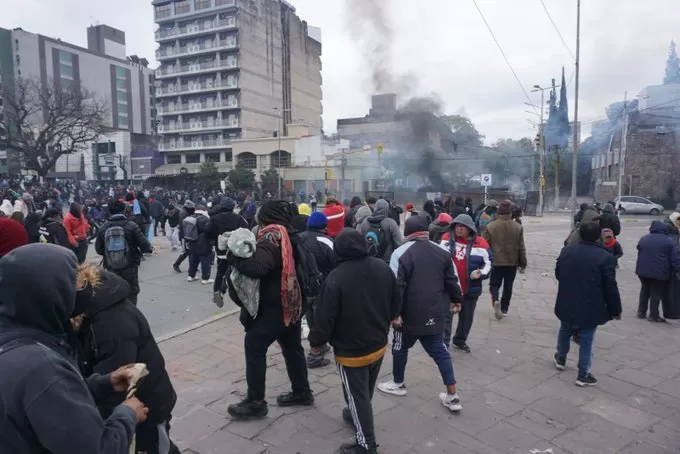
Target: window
x=182 y=7
x=123 y=121
x=66 y=71
x=193 y=158
x=121 y=84
x=65 y=57
x=121 y=73
x=203 y=4
x=248 y=160
x=163 y=11
x=122 y=104
x=212 y=157
x=227 y=156
x=173 y=158
x=284 y=156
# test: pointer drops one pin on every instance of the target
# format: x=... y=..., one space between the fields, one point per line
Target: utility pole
x=343 y=165
x=574 y=169
x=622 y=150
x=541 y=151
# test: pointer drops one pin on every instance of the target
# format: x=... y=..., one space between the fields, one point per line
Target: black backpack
x=377 y=239
x=308 y=274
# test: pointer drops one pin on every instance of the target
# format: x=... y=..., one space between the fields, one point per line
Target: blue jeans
x=585 y=352
x=433 y=345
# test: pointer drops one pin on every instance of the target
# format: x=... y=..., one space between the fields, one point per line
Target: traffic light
x=537 y=141
x=329 y=174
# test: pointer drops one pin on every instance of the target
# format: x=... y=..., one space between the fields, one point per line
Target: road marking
x=196 y=325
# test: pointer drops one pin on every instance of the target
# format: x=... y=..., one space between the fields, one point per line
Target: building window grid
x=248 y=160
x=183 y=6
x=203 y=4
x=213 y=157
x=192 y=158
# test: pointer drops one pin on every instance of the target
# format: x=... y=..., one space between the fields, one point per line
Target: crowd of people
x=344 y=273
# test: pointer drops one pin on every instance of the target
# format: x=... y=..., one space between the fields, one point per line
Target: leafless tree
x=40 y=122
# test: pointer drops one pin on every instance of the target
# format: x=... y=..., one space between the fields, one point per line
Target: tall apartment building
x=231 y=69
x=126 y=83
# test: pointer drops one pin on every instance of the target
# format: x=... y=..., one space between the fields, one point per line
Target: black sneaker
x=316 y=361
x=656 y=319
x=248 y=409
x=303 y=399
x=587 y=380
x=641 y=315
x=560 y=364
x=355 y=448
x=347 y=417
x=462 y=346
x=176 y=268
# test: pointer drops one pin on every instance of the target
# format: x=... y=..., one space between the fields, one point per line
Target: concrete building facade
x=126 y=84
x=229 y=70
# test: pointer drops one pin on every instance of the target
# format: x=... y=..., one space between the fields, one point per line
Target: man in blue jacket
x=45 y=405
x=658 y=258
x=587 y=296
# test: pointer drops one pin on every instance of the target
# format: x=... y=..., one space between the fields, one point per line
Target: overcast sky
x=444 y=44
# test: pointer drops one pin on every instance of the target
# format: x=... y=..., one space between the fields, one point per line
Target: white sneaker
x=497 y=310
x=207 y=281
x=390 y=387
x=192 y=279
x=451 y=401
x=305 y=328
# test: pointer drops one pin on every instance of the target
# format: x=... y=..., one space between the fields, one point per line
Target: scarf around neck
x=291 y=295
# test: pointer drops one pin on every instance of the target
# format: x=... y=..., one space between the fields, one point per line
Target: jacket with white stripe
x=321 y=247
x=426 y=289
x=478 y=257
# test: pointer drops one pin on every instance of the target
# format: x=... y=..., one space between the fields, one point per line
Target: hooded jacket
x=380 y=217
x=658 y=255
x=52 y=231
x=458 y=207
x=356 y=303
x=472 y=255
x=45 y=404
x=609 y=220
x=335 y=212
x=115 y=333
x=224 y=221
x=321 y=247
x=137 y=242
x=76 y=226
x=350 y=217
x=506 y=239
x=426 y=290
x=362 y=213
x=589 y=215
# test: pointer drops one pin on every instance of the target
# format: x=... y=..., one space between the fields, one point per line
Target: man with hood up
x=225 y=220
x=350 y=217
x=458 y=207
x=590 y=216
x=382 y=230
x=609 y=220
x=355 y=306
x=45 y=405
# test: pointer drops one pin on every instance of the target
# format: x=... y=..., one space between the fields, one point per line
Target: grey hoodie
x=45 y=405
x=389 y=225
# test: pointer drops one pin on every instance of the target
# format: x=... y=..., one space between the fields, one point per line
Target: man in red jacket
x=335 y=212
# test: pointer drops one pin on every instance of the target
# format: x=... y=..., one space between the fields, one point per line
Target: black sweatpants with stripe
x=358 y=384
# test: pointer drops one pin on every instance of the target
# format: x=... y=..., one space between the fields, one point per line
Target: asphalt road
x=170 y=303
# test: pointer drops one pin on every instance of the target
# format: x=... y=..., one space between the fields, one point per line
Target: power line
x=498 y=44
x=557 y=30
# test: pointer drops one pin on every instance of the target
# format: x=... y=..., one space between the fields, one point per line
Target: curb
x=195 y=326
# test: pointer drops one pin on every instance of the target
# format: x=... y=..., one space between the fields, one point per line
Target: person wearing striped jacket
x=472 y=257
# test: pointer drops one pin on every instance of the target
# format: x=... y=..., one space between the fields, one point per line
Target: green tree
x=465 y=134
x=241 y=178
x=209 y=176
x=672 y=75
x=270 y=181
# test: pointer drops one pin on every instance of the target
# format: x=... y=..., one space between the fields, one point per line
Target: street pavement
x=514 y=401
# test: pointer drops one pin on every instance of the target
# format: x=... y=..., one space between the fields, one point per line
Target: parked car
x=639 y=205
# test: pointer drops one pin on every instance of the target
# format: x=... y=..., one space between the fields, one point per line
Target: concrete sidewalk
x=514 y=401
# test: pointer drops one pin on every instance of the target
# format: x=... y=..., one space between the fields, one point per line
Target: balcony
x=194 y=68
x=174 y=90
x=197 y=126
x=198 y=107
x=194 y=49
x=193 y=145
x=195 y=29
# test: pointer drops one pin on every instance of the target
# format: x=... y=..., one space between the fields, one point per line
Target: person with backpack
x=196 y=231
x=46 y=406
x=321 y=246
x=187 y=210
x=111 y=333
x=381 y=232
x=282 y=283
x=121 y=243
x=225 y=220
x=51 y=230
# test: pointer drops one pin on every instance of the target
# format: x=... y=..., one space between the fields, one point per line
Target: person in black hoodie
x=225 y=220
x=32 y=226
x=458 y=207
x=354 y=205
x=321 y=246
x=52 y=230
x=426 y=292
x=112 y=332
x=609 y=220
x=429 y=212
x=45 y=404
x=356 y=304
x=278 y=316
x=136 y=243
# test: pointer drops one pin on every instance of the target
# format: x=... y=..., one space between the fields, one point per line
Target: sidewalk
x=514 y=401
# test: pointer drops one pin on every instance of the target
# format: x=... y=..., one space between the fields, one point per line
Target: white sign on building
x=486 y=179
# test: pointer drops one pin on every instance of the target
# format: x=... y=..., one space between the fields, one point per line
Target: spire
x=672 y=75
x=564 y=106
